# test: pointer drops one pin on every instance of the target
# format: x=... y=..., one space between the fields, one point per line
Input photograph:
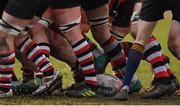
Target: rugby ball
x=108 y=85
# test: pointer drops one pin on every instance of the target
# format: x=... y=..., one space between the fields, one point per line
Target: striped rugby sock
x=116 y=54
x=6 y=68
x=154 y=55
x=28 y=73
x=34 y=53
x=84 y=55
x=45 y=48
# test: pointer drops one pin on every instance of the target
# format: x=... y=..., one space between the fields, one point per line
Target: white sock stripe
x=154 y=55
x=90 y=78
x=36 y=49
x=44 y=47
x=6 y=66
x=5 y=84
x=88 y=67
x=45 y=67
x=39 y=59
x=150 y=45
x=39 y=73
x=85 y=57
x=12 y=55
x=5 y=75
x=80 y=46
x=159 y=69
x=25 y=45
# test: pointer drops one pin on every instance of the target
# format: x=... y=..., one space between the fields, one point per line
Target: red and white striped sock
x=84 y=55
x=116 y=54
x=45 y=47
x=171 y=75
x=28 y=73
x=6 y=68
x=34 y=53
x=154 y=55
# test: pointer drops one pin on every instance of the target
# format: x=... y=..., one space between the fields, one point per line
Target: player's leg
x=68 y=20
x=10 y=25
x=2 y=6
x=62 y=50
x=120 y=26
x=7 y=60
x=173 y=41
x=149 y=16
x=98 y=19
x=26 y=45
x=135 y=19
x=28 y=68
x=154 y=43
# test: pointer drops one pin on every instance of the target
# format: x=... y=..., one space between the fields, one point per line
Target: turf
x=144 y=73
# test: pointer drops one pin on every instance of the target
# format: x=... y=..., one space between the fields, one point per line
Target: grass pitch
x=144 y=73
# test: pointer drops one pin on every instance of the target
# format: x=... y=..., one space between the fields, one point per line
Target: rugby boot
x=49 y=84
x=27 y=87
x=159 y=90
x=173 y=79
x=176 y=82
x=121 y=95
x=81 y=90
